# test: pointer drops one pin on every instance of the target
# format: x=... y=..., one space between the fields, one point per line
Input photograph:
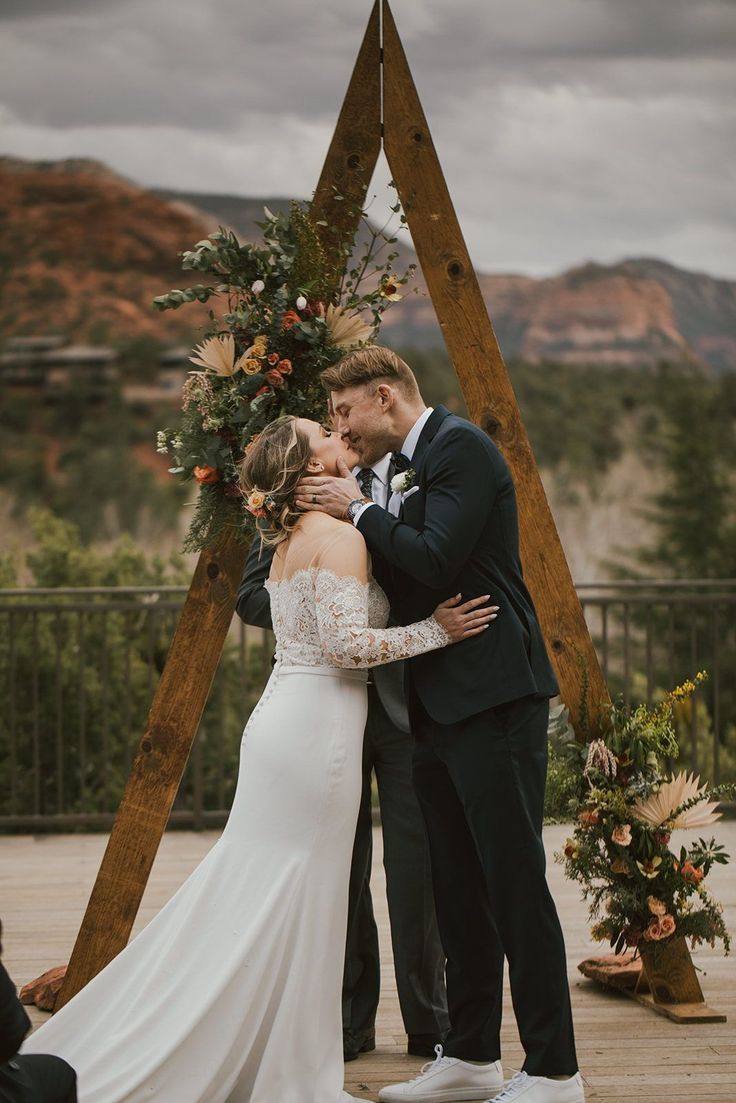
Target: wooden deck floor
x=626 y=1052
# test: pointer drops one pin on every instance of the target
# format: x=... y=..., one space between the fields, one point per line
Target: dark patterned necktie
x=400 y=462
x=365 y=480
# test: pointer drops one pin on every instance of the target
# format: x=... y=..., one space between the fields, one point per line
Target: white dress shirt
x=408 y=448
x=380 y=490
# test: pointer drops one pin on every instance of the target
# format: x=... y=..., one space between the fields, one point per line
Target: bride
x=232 y=993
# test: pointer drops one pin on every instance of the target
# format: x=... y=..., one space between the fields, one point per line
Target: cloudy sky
x=568 y=129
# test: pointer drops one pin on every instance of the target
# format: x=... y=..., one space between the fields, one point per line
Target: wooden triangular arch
x=381 y=74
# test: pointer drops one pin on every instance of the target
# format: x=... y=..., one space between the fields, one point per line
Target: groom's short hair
x=372 y=364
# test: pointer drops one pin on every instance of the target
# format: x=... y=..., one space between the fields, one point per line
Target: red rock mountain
x=84 y=251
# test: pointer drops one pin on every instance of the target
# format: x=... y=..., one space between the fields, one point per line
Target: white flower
x=301 y=302
x=401 y=482
x=257 y=286
x=161 y=444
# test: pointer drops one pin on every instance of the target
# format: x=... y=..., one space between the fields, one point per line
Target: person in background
x=31 y=1078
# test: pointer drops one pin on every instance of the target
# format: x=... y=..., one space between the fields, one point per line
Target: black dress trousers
x=480 y=784
x=417 y=951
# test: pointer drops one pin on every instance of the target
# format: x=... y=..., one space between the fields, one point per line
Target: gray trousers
x=419 y=961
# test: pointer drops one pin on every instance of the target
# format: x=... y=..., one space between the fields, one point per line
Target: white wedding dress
x=232 y=994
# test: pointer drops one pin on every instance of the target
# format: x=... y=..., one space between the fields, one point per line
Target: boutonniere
x=401 y=483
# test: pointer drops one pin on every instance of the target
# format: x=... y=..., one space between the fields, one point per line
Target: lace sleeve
x=341 y=606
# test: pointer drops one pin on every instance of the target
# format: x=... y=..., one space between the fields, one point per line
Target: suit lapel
x=427 y=435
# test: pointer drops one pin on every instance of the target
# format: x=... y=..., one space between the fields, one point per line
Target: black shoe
x=355 y=1042
x=422 y=1045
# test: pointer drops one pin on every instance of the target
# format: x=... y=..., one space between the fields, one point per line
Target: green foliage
x=76 y=456
x=694 y=519
x=695 y=514
x=574 y=414
x=78 y=680
x=565 y=759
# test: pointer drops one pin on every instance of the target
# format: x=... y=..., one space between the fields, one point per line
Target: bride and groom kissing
x=232 y=993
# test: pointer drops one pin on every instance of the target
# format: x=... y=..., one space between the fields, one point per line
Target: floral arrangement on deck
x=642 y=893
x=289 y=314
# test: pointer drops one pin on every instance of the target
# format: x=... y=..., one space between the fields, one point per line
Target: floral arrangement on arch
x=642 y=891
x=288 y=314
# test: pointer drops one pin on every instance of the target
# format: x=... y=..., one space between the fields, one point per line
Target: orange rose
x=589 y=817
x=290 y=319
x=692 y=874
x=273 y=358
x=275 y=378
x=653 y=933
x=667 y=925
x=205 y=475
x=285 y=367
x=622 y=835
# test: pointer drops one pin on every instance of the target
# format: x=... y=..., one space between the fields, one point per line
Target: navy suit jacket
x=458 y=533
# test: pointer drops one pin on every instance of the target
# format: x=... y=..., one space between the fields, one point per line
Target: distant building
x=51 y=364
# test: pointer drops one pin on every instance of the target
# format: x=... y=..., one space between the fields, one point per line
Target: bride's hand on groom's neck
x=329 y=493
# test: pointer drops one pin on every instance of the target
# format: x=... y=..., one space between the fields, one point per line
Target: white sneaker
x=541 y=1089
x=446 y=1080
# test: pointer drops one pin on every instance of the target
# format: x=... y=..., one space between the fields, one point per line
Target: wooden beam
x=356 y=143
x=200 y=634
x=159 y=764
x=480 y=368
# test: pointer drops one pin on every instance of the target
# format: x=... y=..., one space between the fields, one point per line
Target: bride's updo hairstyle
x=276 y=461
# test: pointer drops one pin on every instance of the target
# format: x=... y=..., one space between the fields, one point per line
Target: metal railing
x=78 y=670
x=652 y=635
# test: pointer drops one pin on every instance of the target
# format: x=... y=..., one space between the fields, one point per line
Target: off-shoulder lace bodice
x=322 y=618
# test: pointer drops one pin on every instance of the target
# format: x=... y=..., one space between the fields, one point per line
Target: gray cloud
x=567 y=128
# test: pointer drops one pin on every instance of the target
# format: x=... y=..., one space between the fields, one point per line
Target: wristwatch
x=356 y=505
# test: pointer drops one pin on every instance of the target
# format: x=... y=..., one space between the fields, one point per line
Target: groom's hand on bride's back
x=462 y=619
x=327 y=493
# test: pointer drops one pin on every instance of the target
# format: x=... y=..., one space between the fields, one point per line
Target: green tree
x=78 y=678
x=694 y=515
x=694 y=519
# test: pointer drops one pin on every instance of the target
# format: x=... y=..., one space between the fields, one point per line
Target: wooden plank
x=480 y=368
x=356 y=143
x=159 y=764
x=679 y=1012
x=622 y=1048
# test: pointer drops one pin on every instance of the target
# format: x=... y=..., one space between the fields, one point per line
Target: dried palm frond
x=217 y=354
x=660 y=807
x=346 y=329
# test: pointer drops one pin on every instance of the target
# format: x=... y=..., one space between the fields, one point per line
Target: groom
x=479 y=714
